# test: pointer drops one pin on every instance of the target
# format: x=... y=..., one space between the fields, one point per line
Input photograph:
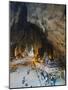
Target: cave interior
x=26 y=37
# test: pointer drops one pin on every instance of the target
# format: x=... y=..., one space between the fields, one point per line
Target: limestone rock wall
x=50 y=18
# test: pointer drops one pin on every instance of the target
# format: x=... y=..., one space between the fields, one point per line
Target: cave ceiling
x=38 y=23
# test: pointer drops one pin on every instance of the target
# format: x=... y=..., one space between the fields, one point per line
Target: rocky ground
x=36 y=75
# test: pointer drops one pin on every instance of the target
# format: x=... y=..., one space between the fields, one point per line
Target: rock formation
x=40 y=25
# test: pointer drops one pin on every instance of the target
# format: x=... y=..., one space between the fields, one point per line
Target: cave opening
x=27 y=38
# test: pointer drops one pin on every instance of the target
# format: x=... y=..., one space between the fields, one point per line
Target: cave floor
x=36 y=75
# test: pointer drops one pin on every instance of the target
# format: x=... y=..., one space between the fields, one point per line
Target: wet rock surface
x=36 y=77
